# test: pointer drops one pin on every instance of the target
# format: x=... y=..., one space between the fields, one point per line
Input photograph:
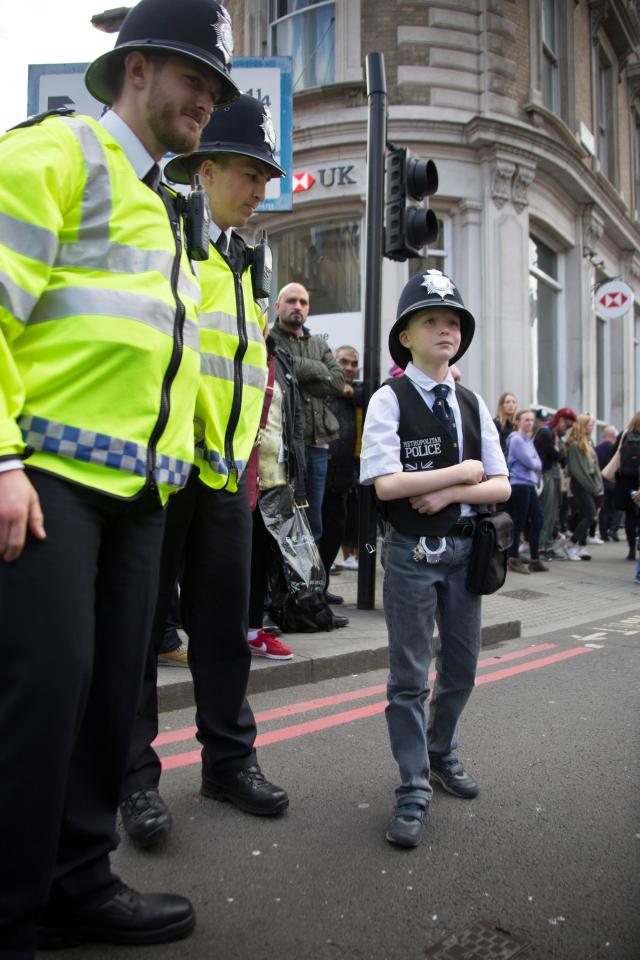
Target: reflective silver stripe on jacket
x=76 y=443
x=27 y=239
x=92 y=302
x=223 y=368
x=14 y=299
x=228 y=323
x=94 y=249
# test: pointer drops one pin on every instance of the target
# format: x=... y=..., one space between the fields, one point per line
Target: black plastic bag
x=492 y=538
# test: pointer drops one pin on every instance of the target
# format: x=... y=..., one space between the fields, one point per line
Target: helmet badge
x=268 y=129
x=224 y=35
x=436 y=282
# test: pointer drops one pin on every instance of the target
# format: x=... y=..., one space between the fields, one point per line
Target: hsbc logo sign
x=302 y=182
x=325 y=177
x=613 y=299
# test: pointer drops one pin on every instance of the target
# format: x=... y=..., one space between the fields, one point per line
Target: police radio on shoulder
x=261 y=268
x=197 y=222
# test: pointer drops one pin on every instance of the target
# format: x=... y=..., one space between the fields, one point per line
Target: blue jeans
x=416 y=595
x=317 y=460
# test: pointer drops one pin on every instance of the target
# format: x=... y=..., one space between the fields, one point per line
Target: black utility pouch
x=492 y=538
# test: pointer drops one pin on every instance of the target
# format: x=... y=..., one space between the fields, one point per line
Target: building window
x=325 y=258
x=305 y=31
x=636 y=359
x=636 y=163
x=544 y=298
x=550 y=65
x=436 y=258
x=603 y=366
x=605 y=116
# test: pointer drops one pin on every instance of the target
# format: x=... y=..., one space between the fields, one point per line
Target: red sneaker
x=267 y=645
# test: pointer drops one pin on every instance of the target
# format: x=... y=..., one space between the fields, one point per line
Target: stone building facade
x=531 y=111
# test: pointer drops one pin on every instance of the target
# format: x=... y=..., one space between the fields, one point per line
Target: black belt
x=462 y=528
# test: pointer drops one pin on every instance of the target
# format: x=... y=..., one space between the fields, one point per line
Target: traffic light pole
x=376 y=142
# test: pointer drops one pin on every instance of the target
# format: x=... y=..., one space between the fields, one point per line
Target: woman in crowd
x=504 y=419
x=525 y=468
x=627 y=480
x=585 y=482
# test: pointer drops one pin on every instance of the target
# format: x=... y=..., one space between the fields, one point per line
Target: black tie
x=443 y=411
x=152 y=177
x=221 y=244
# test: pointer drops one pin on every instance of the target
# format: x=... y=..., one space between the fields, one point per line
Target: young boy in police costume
x=431 y=449
x=208 y=530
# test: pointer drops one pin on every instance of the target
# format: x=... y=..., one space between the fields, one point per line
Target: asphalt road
x=548 y=855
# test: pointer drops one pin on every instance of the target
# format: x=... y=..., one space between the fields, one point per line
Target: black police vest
x=426 y=444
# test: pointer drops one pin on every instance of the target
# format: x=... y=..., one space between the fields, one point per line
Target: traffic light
x=407 y=228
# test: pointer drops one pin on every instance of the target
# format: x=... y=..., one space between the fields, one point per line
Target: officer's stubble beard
x=163 y=125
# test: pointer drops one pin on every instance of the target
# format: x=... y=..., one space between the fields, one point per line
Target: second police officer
x=208 y=532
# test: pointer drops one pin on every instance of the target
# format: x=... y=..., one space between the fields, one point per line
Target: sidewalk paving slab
x=568 y=595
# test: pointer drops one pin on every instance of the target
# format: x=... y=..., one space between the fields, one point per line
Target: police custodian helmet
x=244 y=127
x=197 y=29
x=429 y=289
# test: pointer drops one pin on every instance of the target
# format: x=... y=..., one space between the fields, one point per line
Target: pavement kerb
x=304 y=668
x=569 y=596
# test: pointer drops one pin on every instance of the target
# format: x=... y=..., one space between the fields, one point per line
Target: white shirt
x=141 y=161
x=136 y=153
x=380 y=454
x=215 y=231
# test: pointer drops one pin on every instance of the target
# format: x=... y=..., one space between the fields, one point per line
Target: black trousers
x=586 y=509
x=75 y=620
x=208 y=534
x=334 y=521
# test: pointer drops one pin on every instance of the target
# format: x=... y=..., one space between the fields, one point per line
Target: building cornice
x=549 y=156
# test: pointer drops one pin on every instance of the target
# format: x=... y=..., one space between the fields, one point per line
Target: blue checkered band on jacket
x=90 y=447
x=217 y=463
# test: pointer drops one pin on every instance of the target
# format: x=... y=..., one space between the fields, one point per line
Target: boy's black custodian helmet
x=429 y=289
x=197 y=29
x=244 y=127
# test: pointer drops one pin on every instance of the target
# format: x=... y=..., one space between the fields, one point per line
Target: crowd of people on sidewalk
x=568 y=495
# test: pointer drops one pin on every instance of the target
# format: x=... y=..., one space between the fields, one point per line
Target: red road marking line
x=348 y=716
x=532 y=665
x=306 y=706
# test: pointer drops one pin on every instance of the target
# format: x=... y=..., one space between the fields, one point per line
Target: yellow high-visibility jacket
x=99 y=342
x=233 y=367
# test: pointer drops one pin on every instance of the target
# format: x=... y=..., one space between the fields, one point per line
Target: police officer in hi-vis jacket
x=208 y=533
x=99 y=364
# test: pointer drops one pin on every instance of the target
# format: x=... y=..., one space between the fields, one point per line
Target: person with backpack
x=627 y=480
x=548 y=442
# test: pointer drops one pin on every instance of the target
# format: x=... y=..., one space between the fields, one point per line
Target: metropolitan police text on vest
x=425 y=447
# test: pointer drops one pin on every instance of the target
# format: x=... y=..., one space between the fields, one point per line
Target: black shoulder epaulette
x=39 y=117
